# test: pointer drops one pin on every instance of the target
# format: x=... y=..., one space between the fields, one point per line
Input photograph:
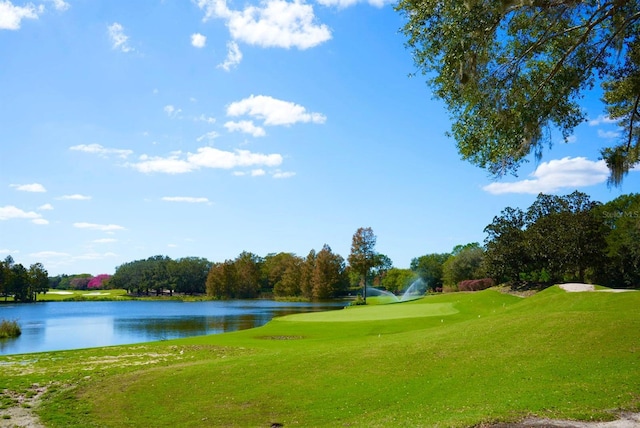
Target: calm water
x=53 y=326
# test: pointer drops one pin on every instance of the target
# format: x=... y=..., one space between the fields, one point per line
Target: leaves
x=510 y=72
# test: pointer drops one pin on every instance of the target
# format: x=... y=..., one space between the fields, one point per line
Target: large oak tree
x=512 y=71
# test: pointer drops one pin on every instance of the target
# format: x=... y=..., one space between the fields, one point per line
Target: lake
x=54 y=326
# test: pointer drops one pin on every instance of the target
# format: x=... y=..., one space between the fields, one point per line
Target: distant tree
x=382 y=264
x=329 y=277
x=507 y=252
x=248 y=275
x=221 y=280
x=283 y=272
x=98 y=281
x=429 y=268
x=188 y=275
x=465 y=262
x=621 y=220
x=306 y=274
x=396 y=280
x=79 y=282
x=38 y=281
x=363 y=255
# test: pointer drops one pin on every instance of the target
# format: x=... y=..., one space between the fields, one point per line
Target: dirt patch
x=626 y=420
x=21 y=412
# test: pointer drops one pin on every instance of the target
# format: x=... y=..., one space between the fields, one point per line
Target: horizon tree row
x=21 y=283
x=567 y=238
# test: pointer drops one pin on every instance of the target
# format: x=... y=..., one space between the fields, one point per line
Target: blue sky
x=209 y=127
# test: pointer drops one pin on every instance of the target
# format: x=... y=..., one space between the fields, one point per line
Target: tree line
x=21 y=283
x=557 y=239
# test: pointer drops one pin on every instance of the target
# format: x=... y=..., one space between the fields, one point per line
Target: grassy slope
x=450 y=360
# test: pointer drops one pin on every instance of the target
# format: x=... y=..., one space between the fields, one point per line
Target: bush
x=9 y=329
x=475 y=284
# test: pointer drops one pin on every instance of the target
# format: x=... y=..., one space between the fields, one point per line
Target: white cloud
x=74 y=197
x=169 y=165
x=49 y=254
x=207 y=119
x=118 y=39
x=101 y=227
x=33 y=187
x=234 y=56
x=94 y=256
x=347 y=3
x=554 y=175
x=11 y=16
x=600 y=120
x=198 y=40
x=275 y=23
x=273 y=111
x=609 y=135
x=205 y=157
x=10 y=212
x=172 y=111
x=45 y=207
x=210 y=157
x=100 y=150
x=282 y=174
x=187 y=199
x=208 y=136
x=258 y=172
x=245 y=126
x=60 y=5
x=104 y=240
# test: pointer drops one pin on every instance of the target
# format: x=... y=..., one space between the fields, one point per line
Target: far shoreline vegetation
x=557 y=239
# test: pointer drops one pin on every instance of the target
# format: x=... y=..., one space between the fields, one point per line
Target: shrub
x=9 y=329
x=475 y=284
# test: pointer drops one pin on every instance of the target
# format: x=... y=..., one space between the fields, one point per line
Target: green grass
x=9 y=329
x=452 y=360
x=81 y=295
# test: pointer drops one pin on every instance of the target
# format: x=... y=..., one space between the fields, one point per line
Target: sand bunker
x=575 y=287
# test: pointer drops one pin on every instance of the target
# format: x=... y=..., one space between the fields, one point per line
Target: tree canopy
x=512 y=71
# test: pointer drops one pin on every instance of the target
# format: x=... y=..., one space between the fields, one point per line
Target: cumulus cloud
x=101 y=150
x=602 y=119
x=119 y=40
x=101 y=227
x=10 y=212
x=198 y=40
x=33 y=187
x=246 y=127
x=608 y=135
x=283 y=174
x=74 y=197
x=171 y=164
x=258 y=172
x=273 y=111
x=234 y=56
x=187 y=199
x=207 y=119
x=205 y=157
x=275 y=23
x=49 y=254
x=45 y=207
x=554 y=175
x=60 y=5
x=208 y=136
x=11 y=16
x=172 y=111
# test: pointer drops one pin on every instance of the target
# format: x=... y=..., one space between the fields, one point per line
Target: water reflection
x=70 y=325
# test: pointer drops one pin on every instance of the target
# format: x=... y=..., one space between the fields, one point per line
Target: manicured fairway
x=377 y=313
x=453 y=360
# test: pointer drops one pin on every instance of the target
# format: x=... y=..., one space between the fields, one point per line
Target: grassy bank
x=450 y=360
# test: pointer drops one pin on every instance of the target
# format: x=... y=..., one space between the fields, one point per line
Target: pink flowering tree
x=97 y=281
